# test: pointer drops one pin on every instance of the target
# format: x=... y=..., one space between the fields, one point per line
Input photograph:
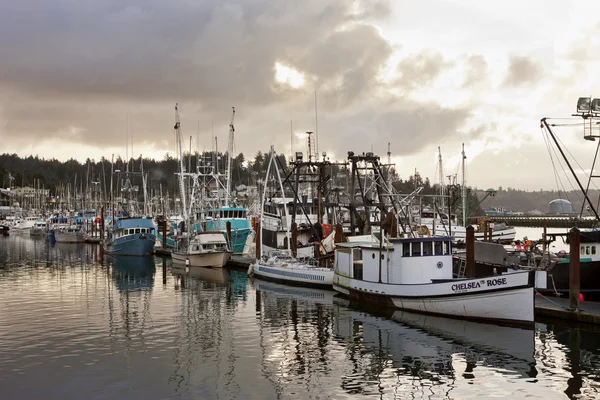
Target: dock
x=558 y=308
x=540 y=222
x=240 y=261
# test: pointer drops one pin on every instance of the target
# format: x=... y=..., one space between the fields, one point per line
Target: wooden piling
x=490 y=233
x=102 y=224
x=257 y=240
x=470 y=271
x=574 y=268
x=228 y=228
x=294 y=240
x=164 y=234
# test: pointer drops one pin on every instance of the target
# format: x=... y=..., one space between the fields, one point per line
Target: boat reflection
x=214 y=275
x=132 y=273
x=294 y=292
x=309 y=335
x=442 y=349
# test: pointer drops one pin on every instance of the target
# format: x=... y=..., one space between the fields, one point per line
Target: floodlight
x=595 y=107
x=298 y=156
x=583 y=104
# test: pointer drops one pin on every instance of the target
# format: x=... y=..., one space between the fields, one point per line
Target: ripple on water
x=73 y=327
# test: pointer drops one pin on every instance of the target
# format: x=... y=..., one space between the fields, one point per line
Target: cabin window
x=373 y=256
x=195 y=248
x=406 y=250
x=593 y=250
x=587 y=250
x=446 y=247
x=416 y=249
x=582 y=250
x=137 y=230
x=427 y=248
x=438 y=248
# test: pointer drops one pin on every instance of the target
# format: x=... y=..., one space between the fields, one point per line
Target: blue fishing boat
x=130 y=236
x=242 y=234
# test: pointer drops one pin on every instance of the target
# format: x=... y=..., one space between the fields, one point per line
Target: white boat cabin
x=208 y=242
x=398 y=261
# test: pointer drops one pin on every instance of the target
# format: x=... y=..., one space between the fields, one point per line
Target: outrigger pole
x=545 y=123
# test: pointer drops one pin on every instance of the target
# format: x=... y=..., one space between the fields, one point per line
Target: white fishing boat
x=39 y=228
x=416 y=274
x=206 y=249
x=282 y=267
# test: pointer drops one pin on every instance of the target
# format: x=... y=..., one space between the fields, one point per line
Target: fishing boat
x=281 y=265
x=438 y=223
x=415 y=274
x=130 y=236
x=205 y=249
x=69 y=234
x=39 y=228
x=4 y=229
x=389 y=269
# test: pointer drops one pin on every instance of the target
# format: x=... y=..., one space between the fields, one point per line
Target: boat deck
x=558 y=308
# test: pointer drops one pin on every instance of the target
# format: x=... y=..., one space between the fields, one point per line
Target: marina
x=139 y=327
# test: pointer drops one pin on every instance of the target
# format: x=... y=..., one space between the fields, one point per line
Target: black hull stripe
x=437 y=296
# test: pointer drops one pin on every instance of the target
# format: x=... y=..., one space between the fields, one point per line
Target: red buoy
x=580 y=296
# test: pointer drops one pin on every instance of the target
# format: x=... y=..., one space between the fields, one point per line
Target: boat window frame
x=424 y=246
x=438 y=248
x=412 y=249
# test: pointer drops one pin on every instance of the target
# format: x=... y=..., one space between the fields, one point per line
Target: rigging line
x=559 y=159
x=574 y=159
x=551 y=150
x=587 y=189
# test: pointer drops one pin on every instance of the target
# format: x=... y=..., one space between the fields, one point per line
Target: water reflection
x=215 y=275
x=132 y=273
x=74 y=324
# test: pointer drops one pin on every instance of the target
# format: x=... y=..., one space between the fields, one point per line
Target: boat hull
x=69 y=237
x=313 y=277
x=558 y=280
x=504 y=299
x=216 y=259
x=131 y=245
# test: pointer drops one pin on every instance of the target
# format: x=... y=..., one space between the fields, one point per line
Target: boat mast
x=441 y=177
x=181 y=166
x=464 y=187
x=229 y=156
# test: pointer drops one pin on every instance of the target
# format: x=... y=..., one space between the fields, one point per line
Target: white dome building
x=561 y=206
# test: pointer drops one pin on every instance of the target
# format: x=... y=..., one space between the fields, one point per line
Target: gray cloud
x=420 y=69
x=477 y=71
x=72 y=70
x=521 y=71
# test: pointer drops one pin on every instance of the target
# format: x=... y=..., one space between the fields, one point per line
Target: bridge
x=539 y=221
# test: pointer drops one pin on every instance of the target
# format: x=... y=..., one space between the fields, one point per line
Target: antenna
x=389 y=154
x=292 y=134
x=309 y=147
x=316 y=125
x=126 y=137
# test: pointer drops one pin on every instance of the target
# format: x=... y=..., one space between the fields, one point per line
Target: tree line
x=55 y=175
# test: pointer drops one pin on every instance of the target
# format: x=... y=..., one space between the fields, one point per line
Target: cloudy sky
x=417 y=75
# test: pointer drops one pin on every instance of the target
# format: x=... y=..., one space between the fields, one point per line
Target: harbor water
x=75 y=324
